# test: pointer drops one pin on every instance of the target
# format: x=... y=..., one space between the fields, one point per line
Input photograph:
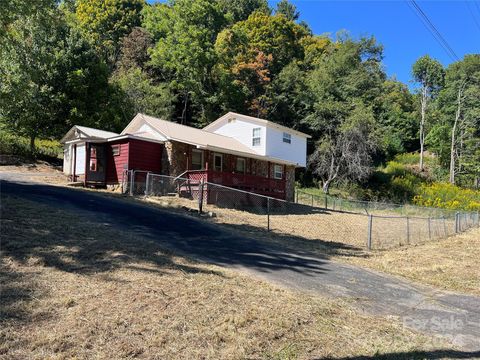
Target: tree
x=396 y=113
x=53 y=79
x=429 y=73
x=346 y=152
x=287 y=9
x=250 y=55
x=240 y=10
x=142 y=96
x=105 y=22
x=289 y=97
x=134 y=50
x=344 y=76
x=185 y=32
x=459 y=106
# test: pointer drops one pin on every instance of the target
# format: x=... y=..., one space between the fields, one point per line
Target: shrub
x=11 y=144
x=448 y=196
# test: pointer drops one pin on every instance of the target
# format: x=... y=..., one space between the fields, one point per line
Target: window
x=278 y=172
x=256 y=136
x=217 y=162
x=93 y=151
x=287 y=138
x=93 y=165
x=116 y=150
x=240 y=166
x=197 y=159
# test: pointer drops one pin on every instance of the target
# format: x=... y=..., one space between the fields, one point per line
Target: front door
x=97 y=163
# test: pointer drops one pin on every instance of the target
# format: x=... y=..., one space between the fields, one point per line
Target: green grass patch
x=45 y=149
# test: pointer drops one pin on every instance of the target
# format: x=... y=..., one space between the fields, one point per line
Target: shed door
x=97 y=161
x=80 y=160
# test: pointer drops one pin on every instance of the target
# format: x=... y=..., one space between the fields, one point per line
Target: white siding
x=295 y=152
x=66 y=160
x=80 y=169
x=242 y=131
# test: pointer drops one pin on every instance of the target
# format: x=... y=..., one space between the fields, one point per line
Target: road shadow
x=88 y=233
x=410 y=355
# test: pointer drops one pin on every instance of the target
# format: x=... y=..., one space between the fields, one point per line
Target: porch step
x=75 y=183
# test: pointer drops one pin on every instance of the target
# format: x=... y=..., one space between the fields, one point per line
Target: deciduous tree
x=429 y=73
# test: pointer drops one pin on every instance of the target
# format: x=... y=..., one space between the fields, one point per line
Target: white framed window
x=116 y=150
x=240 y=166
x=217 y=162
x=278 y=172
x=287 y=138
x=256 y=136
x=197 y=159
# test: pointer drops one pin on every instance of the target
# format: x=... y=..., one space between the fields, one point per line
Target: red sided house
x=236 y=150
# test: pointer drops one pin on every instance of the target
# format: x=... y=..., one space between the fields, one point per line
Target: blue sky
x=397 y=27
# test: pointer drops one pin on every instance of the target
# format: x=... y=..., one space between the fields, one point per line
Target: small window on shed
x=93 y=165
x=116 y=150
x=287 y=138
x=256 y=136
x=278 y=172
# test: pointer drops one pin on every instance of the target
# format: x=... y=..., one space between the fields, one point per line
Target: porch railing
x=247 y=182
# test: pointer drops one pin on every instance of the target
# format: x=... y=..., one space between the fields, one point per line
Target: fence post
x=326 y=202
x=132 y=181
x=312 y=200
x=457 y=218
x=200 y=197
x=296 y=196
x=146 y=184
x=408 y=230
x=369 y=237
x=268 y=214
x=444 y=226
x=429 y=229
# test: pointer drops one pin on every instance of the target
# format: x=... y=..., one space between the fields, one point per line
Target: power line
x=467 y=4
x=477 y=6
x=433 y=30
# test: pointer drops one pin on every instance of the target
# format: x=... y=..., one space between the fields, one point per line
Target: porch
x=251 y=183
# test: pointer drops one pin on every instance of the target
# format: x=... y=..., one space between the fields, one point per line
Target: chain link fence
x=314 y=221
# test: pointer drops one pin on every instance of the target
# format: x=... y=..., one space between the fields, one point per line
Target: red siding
x=116 y=164
x=134 y=154
x=145 y=155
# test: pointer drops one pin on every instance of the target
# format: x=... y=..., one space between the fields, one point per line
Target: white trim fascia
x=130 y=136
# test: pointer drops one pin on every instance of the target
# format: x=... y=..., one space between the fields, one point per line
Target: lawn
x=75 y=287
x=450 y=264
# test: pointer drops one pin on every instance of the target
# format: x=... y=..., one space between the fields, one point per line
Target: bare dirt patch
x=74 y=287
x=38 y=171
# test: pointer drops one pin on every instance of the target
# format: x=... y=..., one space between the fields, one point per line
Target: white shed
x=74 y=156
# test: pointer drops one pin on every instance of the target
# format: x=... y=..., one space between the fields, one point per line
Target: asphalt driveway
x=431 y=311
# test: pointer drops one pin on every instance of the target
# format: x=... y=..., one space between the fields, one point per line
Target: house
x=236 y=150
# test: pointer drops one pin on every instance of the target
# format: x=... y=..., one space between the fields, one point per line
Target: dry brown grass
x=74 y=287
x=320 y=230
x=450 y=264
